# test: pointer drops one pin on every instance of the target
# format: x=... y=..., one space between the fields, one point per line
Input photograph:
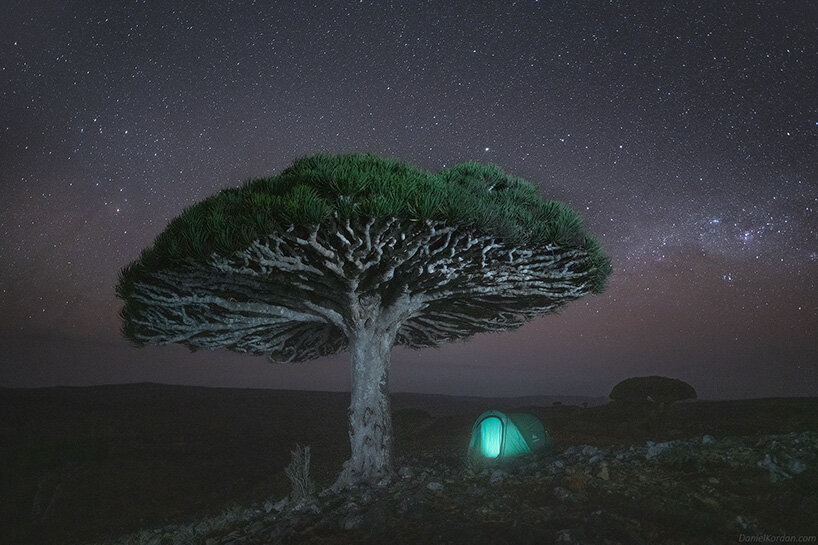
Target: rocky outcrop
x=702 y=490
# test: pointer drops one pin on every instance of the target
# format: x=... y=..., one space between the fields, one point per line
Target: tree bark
x=370 y=416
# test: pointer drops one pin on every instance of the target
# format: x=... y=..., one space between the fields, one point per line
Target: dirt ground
x=79 y=465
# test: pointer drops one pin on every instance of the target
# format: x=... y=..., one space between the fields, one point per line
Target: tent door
x=491 y=437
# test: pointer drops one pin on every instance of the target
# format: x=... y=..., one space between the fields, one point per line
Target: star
x=709 y=195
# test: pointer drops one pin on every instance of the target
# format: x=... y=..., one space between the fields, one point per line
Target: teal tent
x=496 y=435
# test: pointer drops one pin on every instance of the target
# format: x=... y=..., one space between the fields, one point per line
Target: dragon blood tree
x=359 y=253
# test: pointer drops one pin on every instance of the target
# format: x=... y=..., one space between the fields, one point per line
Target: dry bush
x=299 y=473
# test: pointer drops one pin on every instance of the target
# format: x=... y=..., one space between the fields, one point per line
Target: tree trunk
x=370 y=416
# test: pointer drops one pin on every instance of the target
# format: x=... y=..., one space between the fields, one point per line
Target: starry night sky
x=685 y=135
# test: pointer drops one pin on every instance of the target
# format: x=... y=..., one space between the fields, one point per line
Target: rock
x=555 y=466
x=708 y=440
x=589 y=450
x=497 y=477
x=746 y=523
x=603 y=473
x=281 y=504
x=779 y=471
x=406 y=472
x=595 y=459
x=307 y=505
x=652 y=450
x=268 y=506
x=794 y=467
x=775 y=471
x=434 y=485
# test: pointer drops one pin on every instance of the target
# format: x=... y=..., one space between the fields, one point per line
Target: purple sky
x=686 y=137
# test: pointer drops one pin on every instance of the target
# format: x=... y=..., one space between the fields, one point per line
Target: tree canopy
x=275 y=257
x=652 y=389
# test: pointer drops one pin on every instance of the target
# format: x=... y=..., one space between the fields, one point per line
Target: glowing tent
x=497 y=435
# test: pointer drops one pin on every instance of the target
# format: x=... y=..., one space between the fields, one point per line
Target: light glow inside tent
x=496 y=436
x=491 y=437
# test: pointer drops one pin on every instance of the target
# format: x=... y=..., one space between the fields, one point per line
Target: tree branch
x=303 y=292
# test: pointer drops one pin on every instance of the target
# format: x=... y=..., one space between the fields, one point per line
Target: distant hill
x=444 y=405
x=435 y=404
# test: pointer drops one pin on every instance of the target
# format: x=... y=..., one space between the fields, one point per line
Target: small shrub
x=298 y=472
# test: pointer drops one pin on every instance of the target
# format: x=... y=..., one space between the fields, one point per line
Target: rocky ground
x=168 y=464
x=698 y=490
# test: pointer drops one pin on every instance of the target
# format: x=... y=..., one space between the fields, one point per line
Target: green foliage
x=655 y=389
x=307 y=193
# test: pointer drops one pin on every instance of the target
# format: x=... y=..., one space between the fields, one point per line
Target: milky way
x=685 y=135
